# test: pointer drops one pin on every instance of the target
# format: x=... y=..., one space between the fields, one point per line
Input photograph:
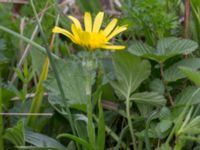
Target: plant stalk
x=186 y=21
x=130 y=122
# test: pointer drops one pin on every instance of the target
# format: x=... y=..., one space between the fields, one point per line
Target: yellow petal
x=113 y=47
x=116 y=31
x=110 y=27
x=88 y=22
x=75 y=33
x=64 y=32
x=76 y=22
x=98 y=21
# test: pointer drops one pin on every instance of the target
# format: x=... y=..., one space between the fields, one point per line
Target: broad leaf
x=42 y=141
x=73 y=79
x=163 y=126
x=165 y=49
x=173 y=73
x=191 y=74
x=157 y=86
x=130 y=72
x=16 y=134
x=149 y=98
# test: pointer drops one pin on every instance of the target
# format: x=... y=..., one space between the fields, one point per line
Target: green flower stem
x=130 y=122
x=90 y=125
x=55 y=71
x=1 y=119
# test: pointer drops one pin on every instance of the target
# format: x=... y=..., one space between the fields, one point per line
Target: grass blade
x=101 y=128
x=77 y=139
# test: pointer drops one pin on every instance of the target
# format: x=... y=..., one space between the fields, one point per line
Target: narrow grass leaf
x=76 y=139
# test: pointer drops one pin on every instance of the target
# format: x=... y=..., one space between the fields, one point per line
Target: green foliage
x=73 y=78
x=130 y=71
x=42 y=141
x=165 y=48
x=151 y=19
x=139 y=98
x=191 y=74
x=148 y=98
x=16 y=134
x=173 y=73
x=90 y=6
x=195 y=21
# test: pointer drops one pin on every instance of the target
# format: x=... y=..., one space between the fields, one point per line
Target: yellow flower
x=92 y=37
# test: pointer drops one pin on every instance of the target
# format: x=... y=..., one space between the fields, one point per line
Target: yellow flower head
x=92 y=37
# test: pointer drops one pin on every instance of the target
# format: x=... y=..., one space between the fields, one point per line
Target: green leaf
x=130 y=72
x=193 y=127
x=40 y=140
x=76 y=139
x=16 y=134
x=184 y=100
x=73 y=79
x=165 y=49
x=163 y=126
x=193 y=75
x=173 y=73
x=38 y=59
x=164 y=113
x=157 y=86
x=148 y=98
x=164 y=147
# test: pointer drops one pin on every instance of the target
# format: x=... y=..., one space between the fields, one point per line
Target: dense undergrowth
x=58 y=95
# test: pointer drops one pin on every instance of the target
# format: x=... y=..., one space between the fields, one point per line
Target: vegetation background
x=145 y=97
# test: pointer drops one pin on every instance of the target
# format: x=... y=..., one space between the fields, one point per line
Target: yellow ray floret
x=93 y=37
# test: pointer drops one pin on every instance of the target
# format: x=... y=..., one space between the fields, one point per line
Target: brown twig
x=187 y=17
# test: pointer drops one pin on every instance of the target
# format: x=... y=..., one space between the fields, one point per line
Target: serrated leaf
x=157 y=86
x=16 y=134
x=165 y=49
x=163 y=126
x=174 y=73
x=73 y=79
x=130 y=72
x=149 y=98
x=182 y=98
x=193 y=75
x=164 y=113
